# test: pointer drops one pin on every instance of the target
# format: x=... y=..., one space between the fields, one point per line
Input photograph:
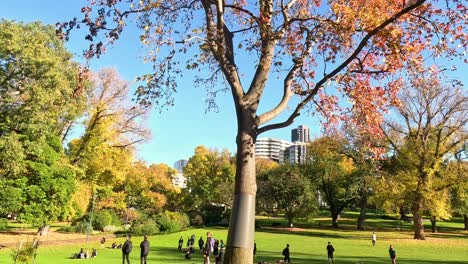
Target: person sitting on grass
x=188 y=253
x=94 y=253
x=114 y=245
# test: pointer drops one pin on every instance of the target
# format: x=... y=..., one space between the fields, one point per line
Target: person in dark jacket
x=392 y=253
x=330 y=251
x=126 y=249
x=201 y=243
x=145 y=247
x=181 y=243
x=286 y=254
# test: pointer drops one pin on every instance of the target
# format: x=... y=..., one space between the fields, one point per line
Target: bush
x=26 y=253
x=196 y=219
x=172 y=221
x=101 y=220
x=3 y=224
x=146 y=227
x=214 y=214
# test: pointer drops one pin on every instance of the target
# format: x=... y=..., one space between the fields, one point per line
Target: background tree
x=39 y=91
x=428 y=128
x=359 y=53
x=210 y=177
x=286 y=189
x=335 y=174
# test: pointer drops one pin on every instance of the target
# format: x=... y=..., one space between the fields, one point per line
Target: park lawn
x=306 y=245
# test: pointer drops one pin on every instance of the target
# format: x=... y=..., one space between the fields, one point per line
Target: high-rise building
x=179 y=180
x=180 y=165
x=301 y=134
x=298 y=153
x=270 y=148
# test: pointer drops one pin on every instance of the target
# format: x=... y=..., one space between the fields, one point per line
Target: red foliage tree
x=358 y=46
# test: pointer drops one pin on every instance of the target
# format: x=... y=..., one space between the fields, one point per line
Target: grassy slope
x=307 y=245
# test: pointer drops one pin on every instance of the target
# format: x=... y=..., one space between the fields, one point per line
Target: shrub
x=26 y=252
x=196 y=219
x=145 y=227
x=101 y=220
x=172 y=221
x=3 y=224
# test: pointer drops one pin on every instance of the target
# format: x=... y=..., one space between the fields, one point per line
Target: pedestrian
x=209 y=247
x=374 y=238
x=200 y=244
x=181 y=243
x=255 y=250
x=219 y=259
x=392 y=253
x=285 y=253
x=103 y=240
x=330 y=251
x=145 y=247
x=126 y=249
x=216 y=247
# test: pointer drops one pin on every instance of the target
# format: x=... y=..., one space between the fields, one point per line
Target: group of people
x=330 y=250
x=211 y=248
x=128 y=246
x=85 y=254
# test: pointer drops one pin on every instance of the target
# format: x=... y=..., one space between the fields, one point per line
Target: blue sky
x=176 y=131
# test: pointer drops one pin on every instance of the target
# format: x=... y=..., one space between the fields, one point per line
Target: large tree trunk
x=335 y=219
x=361 y=222
x=433 y=224
x=465 y=219
x=418 y=218
x=242 y=223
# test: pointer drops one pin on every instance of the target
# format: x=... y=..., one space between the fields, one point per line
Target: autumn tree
x=316 y=49
x=428 y=128
x=210 y=177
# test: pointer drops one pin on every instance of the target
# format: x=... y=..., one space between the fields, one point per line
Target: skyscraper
x=270 y=148
x=301 y=134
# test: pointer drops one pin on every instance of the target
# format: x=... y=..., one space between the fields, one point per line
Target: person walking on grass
x=126 y=249
x=200 y=244
x=374 y=238
x=145 y=247
x=209 y=248
x=181 y=243
x=392 y=253
x=286 y=255
x=330 y=250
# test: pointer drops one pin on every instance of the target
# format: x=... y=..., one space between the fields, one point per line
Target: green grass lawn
x=307 y=246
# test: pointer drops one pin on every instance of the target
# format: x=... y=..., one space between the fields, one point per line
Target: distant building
x=270 y=148
x=180 y=165
x=297 y=153
x=179 y=180
x=300 y=134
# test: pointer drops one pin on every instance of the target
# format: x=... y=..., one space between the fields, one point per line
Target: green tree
x=40 y=90
x=335 y=174
x=286 y=189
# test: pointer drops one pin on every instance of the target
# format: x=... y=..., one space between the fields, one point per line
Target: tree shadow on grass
x=171 y=255
x=310 y=258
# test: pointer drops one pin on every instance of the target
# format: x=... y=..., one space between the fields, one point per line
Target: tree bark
x=418 y=218
x=335 y=219
x=433 y=224
x=241 y=232
x=361 y=222
x=465 y=220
